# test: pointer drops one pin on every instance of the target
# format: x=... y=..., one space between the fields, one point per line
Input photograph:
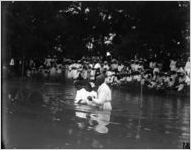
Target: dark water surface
x=42 y=115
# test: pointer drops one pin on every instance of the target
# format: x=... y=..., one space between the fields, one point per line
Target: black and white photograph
x=95 y=74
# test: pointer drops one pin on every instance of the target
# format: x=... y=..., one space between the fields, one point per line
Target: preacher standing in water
x=104 y=94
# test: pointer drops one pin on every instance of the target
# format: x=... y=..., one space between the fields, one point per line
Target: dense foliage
x=85 y=28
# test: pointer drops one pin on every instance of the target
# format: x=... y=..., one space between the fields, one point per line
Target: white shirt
x=97 y=65
x=104 y=97
x=129 y=79
x=156 y=70
x=137 y=77
x=108 y=54
x=152 y=64
x=53 y=71
x=93 y=94
x=133 y=66
x=173 y=65
x=110 y=73
x=90 y=65
x=187 y=67
x=136 y=67
x=106 y=67
x=47 y=62
x=120 y=68
x=187 y=80
x=59 y=71
x=114 y=66
x=75 y=74
x=92 y=74
x=12 y=62
x=180 y=70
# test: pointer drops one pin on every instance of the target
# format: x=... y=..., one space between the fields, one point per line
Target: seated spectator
x=110 y=76
x=114 y=65
x=84 y=73
x=75 y=73
x=156 y=69
x=152 y=84
x=171 y=82
x=129 y=78
x=137 y=77
x=180 y=69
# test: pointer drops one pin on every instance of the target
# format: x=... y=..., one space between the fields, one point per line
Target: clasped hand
x=89 y=98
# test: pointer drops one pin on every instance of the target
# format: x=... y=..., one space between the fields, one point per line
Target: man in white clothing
x=104 y=94
x=187 y=66
x=12 y=65
x=97 y=66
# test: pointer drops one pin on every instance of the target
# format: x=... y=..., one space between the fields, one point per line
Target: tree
x=76 y=28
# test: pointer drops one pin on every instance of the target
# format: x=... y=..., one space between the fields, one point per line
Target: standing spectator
x=120 y=67
x=97 y=66
x=92 y=74
x=156 y=69
x=152 y=64
x=187 y=66
x=48 y=61
x=12 y=66
x=114 y=65
x=106 y=66
x=173 y=65
x=53 y=71
x=108 y=56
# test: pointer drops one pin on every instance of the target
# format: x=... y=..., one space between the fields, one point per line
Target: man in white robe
x=104 y=94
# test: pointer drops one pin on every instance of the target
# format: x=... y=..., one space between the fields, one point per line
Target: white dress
x=81 y=95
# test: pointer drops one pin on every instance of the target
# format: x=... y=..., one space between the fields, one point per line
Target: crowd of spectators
x=151 y=73
x=36 y=68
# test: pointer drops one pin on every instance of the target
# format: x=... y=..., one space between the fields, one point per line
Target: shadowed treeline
x=39 y=28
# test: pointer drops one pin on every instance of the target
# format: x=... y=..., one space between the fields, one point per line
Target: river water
x=42 y=115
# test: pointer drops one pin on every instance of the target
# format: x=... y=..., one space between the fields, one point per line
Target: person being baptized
x=84 y=92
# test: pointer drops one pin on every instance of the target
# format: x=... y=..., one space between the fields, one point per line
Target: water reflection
x=163 y=122
x=96 y=121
